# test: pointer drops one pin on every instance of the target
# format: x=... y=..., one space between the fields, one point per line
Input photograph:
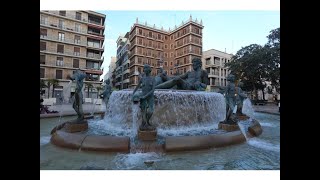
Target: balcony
x=67 y=16
x=64 y=40
x=94 y=56
x=94 y=33
x=63 y=27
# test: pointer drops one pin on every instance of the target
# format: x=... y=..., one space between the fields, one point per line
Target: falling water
x=243 y=129
x=135 y=109
x=67 y=89
x=174 y=112
x=247 y=108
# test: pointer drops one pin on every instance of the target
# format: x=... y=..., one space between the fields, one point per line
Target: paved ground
x=66 y=109
x=268 y=108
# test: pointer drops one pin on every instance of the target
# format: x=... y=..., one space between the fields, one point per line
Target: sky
x=226 y=31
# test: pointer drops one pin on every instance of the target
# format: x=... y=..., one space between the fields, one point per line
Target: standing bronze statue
x=106 y=92
x=78 y=76
x=197 y=79
x=241 y=96
x=146 y=97
x=231 y=100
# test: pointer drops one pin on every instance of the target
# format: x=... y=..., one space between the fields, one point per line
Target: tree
x=54 y=83
x=89 y=86
x=249 y=66
x=255 y=64
x=42 y=85
x=274 y=47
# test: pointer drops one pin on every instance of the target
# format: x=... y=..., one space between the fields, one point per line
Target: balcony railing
x=93 y=45
x=69 y=16
x=94 y=33
x=95 y=56
x=94 y=22
x=60 y=26
x=71 y=41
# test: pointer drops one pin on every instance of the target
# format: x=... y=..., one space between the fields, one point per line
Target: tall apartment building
x=213 y=61
x=122 y=64
x=111 y=66
x=173 y=49
x=70 y=40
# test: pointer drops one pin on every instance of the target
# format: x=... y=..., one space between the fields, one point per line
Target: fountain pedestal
x=76 y=127
x=150 y=135
x=228 y=127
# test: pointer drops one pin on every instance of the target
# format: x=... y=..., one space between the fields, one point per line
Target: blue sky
x=223 y=30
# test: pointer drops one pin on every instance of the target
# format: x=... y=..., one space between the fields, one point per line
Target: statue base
x=228 y=127
x=242 y=117
x=75 y=126
x=148 y=135
x=88 y=117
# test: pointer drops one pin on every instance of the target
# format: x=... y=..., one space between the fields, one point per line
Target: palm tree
x=89 y=86
x=42 y=85
x=54 y=83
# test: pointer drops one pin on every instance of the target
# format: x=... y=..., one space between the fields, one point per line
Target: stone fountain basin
x=85 y=142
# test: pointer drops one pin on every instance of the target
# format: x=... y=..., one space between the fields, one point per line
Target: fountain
x=159 y=119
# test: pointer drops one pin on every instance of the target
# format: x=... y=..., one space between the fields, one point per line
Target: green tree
x=42 y=84
x=52 y=82
x=273 y=46
x=255 y=64
x=89 y=86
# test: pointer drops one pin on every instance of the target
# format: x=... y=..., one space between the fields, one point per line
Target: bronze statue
x=240 y=98
x=78 y=76
x=146 y=97
x=192 y=80
x=231 y=100
x=161 y=77
x=106 y=92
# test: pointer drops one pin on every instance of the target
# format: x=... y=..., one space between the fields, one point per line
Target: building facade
x=171 y=49
x=122 y=64
x=70 y=40
x=214 y=62
x=111 y=66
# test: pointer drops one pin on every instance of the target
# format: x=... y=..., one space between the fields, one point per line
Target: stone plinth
x=106 y=144
x=255 y=129
x=73 y=127
x=185 y=143
x=228 y=127
x=242 y=117
x=150 y=135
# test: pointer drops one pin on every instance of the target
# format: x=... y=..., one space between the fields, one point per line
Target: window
x=166 y=37
x=60 y=48
x=42 y=72
x=77 y=27
x=150 y=34
x=171 y=63
x=58 y=74
x=171 y=37
x=159 y=36
x=76 y=51
x=59 y=61
x=78 y=16
x=93 y=43
x=43 y=46
x=92 y=65
x=43 y=19
x=171 y=46
x=43 y=33
x=150 y=43
x=42 y=59
x=140 y=31
x=166 y=46
x=171 y=54
x=62 y=13
x=61 y=36
x=165 y=63
x=140 y=41
x=76 y=63
x=61 y=24
x=185 y=60
x=77 y=39
x=166 y=55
